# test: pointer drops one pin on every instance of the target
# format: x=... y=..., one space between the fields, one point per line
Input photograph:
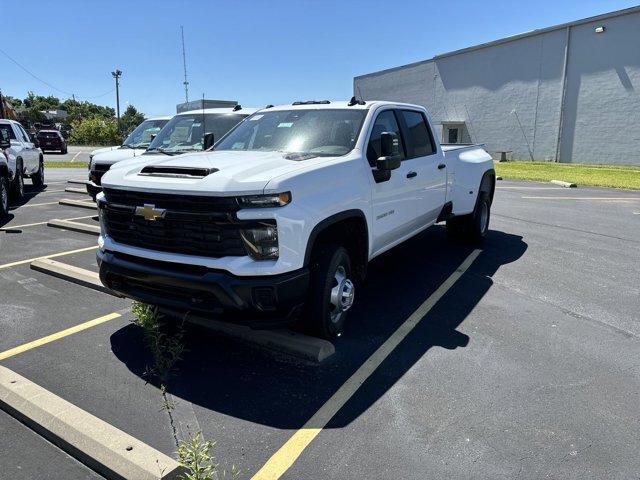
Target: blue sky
x=257 y=52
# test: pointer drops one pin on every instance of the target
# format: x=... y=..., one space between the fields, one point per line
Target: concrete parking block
x=77 y=182
x=78 y=203
x=73 y=274
x=97 y=444
x=564 y=184
x=82 y=191
x=284 y=341
x=74 y=226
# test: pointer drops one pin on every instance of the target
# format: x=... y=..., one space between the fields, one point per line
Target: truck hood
x=104 y=149
x=117 y=155
x=236 y=173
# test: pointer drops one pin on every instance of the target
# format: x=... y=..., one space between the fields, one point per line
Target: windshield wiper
x=160 y=150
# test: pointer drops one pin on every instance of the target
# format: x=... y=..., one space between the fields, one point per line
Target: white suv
x=23 y=158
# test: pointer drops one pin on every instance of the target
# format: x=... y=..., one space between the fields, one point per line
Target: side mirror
x=5 y=144
x=152 y=136
x=208 y=141
x=390 y=152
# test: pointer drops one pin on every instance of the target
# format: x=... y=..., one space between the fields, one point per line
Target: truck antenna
x=184 y=66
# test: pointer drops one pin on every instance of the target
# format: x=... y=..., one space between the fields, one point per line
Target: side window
x=419 y=138
x=20 y=133
x=385 y=122
x=24 y=134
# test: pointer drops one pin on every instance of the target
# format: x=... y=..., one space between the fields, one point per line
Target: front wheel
x=64 y=151
x=4 y=197
x=331 y=293
x=38 y=178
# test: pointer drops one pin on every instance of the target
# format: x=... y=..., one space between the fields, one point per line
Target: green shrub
x=94 y=131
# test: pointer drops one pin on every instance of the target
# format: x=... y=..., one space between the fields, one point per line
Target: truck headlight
x=261 y=241
x=265 y=201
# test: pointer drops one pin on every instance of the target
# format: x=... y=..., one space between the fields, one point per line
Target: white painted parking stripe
x=284 y=458
x=13 y=227
x=569 y=197
x=76 y=156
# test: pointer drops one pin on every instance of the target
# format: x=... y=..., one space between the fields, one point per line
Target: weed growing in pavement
x=195 y=455
x=166 y=349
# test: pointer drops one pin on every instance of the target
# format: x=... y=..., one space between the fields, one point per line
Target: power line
x=47 y=83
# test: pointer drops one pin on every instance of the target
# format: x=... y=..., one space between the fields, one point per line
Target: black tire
x=63 y=151
x=17 y=188
x=472 y=228
x=322 y=317
x=4 y=196
x=37 y=179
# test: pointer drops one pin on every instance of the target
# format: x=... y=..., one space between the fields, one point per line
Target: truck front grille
x=202 y=226
x=98 y=171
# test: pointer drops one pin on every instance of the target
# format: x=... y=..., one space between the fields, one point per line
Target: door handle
x=441 y=166
x=411 y=174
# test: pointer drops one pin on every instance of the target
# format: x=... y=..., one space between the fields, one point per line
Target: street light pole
x=117 y=74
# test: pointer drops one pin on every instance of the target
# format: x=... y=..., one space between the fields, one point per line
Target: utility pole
x=184 y=65
x=117 y=74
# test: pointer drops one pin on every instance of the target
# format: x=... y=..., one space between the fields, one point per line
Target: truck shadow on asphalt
x=271 y=389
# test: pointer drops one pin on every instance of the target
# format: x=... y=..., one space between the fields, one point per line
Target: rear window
x=48 y=135
x=419 y=140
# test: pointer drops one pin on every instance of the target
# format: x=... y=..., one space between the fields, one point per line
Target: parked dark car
x=52 y=140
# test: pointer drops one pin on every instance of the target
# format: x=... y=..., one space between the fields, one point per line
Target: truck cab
x=277 y=224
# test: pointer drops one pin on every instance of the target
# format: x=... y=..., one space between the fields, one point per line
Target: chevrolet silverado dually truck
x=185 y=132
x=277 y=224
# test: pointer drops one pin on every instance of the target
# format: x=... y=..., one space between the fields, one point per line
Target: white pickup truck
x=135 y=144
x=185 y=132
x=279 y=222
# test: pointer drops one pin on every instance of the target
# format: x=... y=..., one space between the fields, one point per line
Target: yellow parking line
x=53 y=255
x=584 y=198
x=9 y=227
x=58 y=335
x=282 y=460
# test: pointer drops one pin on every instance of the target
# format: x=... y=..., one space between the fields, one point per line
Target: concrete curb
x=77 y=182
x=77 y=275
x=564 y=184
x=74 y=226
x=78 y=203
x=99 y=445
x=283 y=341
x=76 y=190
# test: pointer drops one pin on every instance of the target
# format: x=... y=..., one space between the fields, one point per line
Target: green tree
x=130 y=120
x=95 y=131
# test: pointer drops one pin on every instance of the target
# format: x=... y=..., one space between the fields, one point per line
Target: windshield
x=321 y=132
x=141 y=136
x=185 y=133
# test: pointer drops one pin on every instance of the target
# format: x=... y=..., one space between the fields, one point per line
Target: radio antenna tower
x=184 y=64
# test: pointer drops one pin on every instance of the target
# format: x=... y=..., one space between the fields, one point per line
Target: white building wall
x=509 y=94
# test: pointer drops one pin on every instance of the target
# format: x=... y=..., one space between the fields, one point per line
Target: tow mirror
x=208 y=141
x=390 y=152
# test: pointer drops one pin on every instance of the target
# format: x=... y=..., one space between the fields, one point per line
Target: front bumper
x=257 y=301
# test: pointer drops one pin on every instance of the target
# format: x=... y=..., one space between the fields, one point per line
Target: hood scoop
x=176 y=172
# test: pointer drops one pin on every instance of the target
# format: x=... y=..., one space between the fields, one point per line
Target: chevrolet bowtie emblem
x=150 y=212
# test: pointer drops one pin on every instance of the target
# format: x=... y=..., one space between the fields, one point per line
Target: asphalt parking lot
x=75 y=154
x=527 y=366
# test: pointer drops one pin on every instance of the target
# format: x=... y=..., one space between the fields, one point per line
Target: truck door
x=394 y=201
x=427 y=165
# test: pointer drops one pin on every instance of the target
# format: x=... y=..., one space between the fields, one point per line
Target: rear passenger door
x=396 y=202
x=428 y=170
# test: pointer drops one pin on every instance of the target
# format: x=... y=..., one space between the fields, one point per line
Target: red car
x=51 y=140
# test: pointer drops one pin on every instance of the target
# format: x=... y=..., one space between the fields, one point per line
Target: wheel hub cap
x=342 y=294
